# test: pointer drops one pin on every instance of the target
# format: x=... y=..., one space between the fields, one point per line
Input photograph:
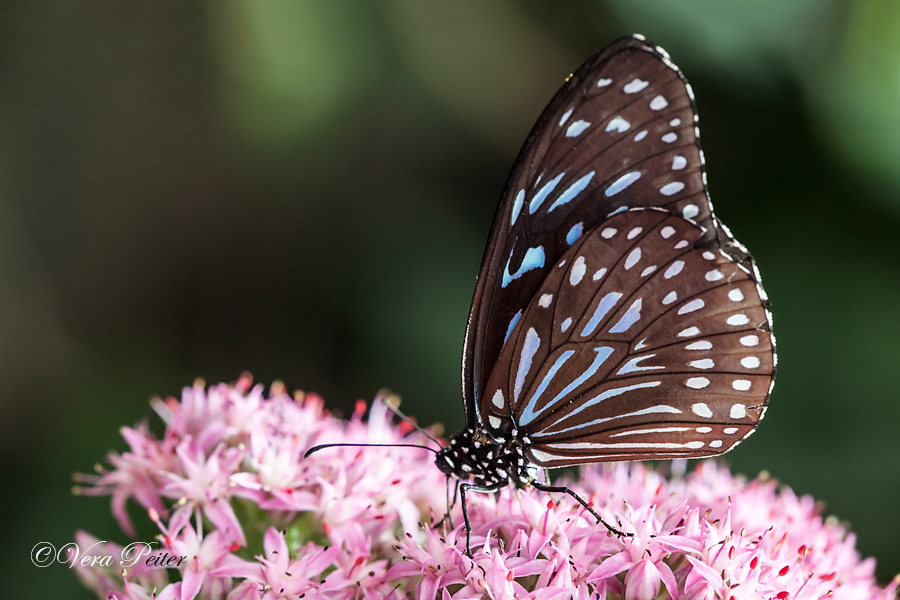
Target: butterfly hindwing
x=639 y=345
x=620 y=134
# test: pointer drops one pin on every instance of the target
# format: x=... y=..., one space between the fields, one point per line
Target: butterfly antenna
x=392 y=401
x=315 y=449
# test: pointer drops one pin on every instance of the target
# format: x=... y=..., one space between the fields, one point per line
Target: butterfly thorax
x=473 y=454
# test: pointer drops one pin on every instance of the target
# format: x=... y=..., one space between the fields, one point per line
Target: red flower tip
x=754 y=562
x=731 y=553
x=784 y=571
x=406 y=428
x=234 y=546
x=395 y=482
x=659 y=490
x=154 y=516
x=169 y=541
x=781 y=595
x=326 y=528
x=360 y=560
x=802 y=550
x=510 y=576
x=289 y=491
x=829 y=577
x=360 y=408
x=244 y=382
x=550 y=505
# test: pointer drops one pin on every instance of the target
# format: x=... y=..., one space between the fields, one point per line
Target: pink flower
x=356 y=523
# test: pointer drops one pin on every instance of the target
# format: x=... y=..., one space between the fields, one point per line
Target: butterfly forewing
x=614 y=317
x=620 y=134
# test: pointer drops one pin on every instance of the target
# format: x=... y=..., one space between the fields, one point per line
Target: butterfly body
x=615 y=316
x=488 y=462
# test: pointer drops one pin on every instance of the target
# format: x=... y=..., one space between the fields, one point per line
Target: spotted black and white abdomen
x=639 y=345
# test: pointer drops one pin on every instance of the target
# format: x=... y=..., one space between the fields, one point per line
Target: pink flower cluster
x=228 y=488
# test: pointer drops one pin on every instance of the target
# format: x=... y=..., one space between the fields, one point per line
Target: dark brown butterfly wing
x=620 y=135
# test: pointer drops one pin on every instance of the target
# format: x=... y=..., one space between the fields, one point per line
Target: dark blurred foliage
x=303 y=190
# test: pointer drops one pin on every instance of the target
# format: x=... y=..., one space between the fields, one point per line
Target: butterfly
x=615 y=317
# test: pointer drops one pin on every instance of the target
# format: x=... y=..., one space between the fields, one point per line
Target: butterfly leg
x=558 y=488
x=462 y=495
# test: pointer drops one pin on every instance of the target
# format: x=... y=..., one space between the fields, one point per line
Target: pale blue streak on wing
x=631 y=316
x=512 y=325
x=575 y=233
x=534 y=259
x=517 y=207
x=529 y=348
x=543 y=193
x=622 y=182
x=598 y=399
x=528 y=415
x=604 y=307
x=574 y=189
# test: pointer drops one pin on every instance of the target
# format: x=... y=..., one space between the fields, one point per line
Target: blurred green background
x=303 y=190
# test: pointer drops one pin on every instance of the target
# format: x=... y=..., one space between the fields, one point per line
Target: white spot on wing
x=674 y=122
x=695 y=304
x=738 y=320
x=671 y=188
x=545 y=300
x=598 y=274
x=750 y=340
x=669 y=138
x=635 y=232
x=674 y=269
x=704 y=429
x=495 y=423
x=633 y=257
x=690 y=211
x=704 y=363
x=602 y=82
x=730 y=430
x=621 y=183
x=566 y=324
x=617 y=124
x=648 y=270
x=578 y=270
x=740 y=385
x=735 y=295
x=608 y=232
x=667 y=232
x=635 y=86
x=566 y=116
x=658 y=103
x=700 y=409
x=715 y=444
x=689 y=332
x=640 y=135
x=576 y=128
x=738 y=411
x=497 y=400
x=701 y=345
x=750 y=362
x=670 y=298
x=714 y=275
x=678 y=163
